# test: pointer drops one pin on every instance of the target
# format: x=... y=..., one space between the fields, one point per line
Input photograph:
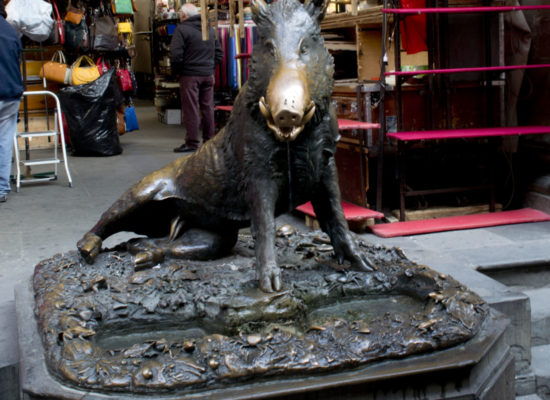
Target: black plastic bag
x=90 y=111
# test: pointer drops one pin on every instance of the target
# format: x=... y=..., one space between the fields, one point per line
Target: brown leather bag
x=56 y=70
x=74 y=15
x=120 y=123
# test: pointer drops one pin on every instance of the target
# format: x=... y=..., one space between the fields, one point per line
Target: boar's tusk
x=310 y=110
x=263 y=108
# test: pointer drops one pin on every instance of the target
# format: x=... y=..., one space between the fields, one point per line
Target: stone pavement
x=44 y=219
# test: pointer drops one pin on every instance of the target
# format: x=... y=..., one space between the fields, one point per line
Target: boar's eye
x=270 y=46
x=305 y=46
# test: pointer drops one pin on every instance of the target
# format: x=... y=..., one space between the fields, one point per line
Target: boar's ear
x=259 y=9
x=316 y=8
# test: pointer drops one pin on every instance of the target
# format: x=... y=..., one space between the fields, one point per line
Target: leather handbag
x=76 y=37
x=58 y=32
x=102 y=66
x=82 y=74
x=124 y=80
x=56 y=70
x=120 y=123
x=122 y=7
x=103 y=34
x=124 y=27
x=74 y=15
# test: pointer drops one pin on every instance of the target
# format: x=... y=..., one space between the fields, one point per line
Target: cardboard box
x=369 y=42
x=170 y=116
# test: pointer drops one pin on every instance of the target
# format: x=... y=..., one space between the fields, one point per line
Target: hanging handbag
x=84 y=74
x=74 y=15
x=102 y=66
x=130 y=118
x=124 y=80
x=57 y=35
x=124 y=27
x=56 y=70
x=122 y=7
x=76 y=37
x=134 y=82
x=103 y=34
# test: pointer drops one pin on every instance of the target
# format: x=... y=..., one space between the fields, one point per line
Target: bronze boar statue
x=275 y=152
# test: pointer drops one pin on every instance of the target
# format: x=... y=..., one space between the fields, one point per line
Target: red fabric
x=460 y=222
x=352 y=212
x=413 y=28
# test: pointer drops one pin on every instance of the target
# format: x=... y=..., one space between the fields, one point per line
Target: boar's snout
x=288 y=107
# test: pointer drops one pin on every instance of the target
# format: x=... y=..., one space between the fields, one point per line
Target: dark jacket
x=189 y=54
x=10 y=51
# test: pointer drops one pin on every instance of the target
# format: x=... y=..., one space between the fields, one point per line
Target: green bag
x=122 y=7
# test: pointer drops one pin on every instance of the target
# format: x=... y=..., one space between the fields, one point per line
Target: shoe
x=3 y=198
x=184 y=149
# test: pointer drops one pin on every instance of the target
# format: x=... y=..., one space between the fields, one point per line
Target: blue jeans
x=8 y=128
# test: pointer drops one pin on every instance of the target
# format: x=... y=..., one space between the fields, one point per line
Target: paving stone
x=511 y=254
x=541 y=368
x=9 y=358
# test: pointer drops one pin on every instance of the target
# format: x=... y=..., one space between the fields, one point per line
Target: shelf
x=459 y=70
x=457 y=10
x=469 y=133
x=370 y=16
x=340 y=46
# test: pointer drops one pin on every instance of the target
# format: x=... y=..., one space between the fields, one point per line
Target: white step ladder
x=58 y=136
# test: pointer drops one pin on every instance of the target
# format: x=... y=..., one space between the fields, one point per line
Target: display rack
x=405 y=138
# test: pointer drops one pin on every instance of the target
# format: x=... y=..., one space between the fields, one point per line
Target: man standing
x=195 y=60
x=11 y=90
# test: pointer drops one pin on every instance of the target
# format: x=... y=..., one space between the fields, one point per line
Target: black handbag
x=104 y=34
x=76 y=37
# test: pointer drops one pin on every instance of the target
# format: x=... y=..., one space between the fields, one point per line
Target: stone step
x=540 y=315
x=540 y=201
x=540 y=366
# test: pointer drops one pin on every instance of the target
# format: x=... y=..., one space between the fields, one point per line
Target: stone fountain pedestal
x=332 y=333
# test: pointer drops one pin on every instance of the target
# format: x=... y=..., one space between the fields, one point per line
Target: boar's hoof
x=270 y=278
x=148 y=259
x=89 y=247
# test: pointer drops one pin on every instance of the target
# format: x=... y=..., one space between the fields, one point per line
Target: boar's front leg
x=327 y=205
x=262 y=198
